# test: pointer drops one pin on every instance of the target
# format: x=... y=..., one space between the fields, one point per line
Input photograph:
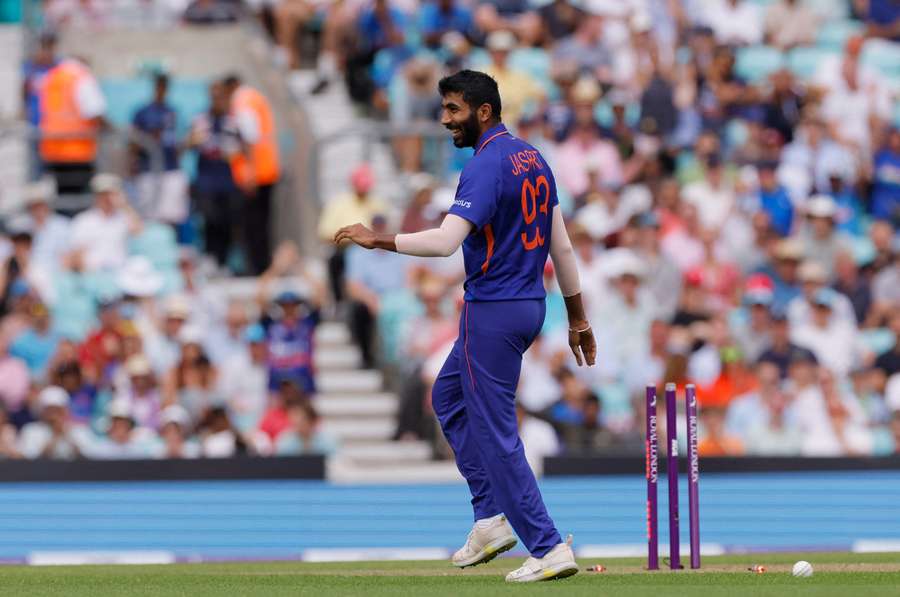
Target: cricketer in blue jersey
x=504 y=215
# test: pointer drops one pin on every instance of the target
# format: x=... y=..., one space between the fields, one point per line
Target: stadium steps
x=357 y=410
x=13 y=149
x=348 y=406
x=333 y=113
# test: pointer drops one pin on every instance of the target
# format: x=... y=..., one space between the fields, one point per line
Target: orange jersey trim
x=489 y=236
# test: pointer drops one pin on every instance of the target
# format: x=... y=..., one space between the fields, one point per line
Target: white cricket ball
x=802 y=568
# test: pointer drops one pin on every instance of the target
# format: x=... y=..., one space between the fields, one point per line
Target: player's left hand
x=356 y=233
x=583 y=346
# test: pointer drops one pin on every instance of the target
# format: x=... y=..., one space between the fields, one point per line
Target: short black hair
x=476 y=88
x=231 y=80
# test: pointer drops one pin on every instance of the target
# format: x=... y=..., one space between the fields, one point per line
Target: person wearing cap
x=16 y=267
x=123 y=439
x=518 y=88
x=289 y=335
x=37 y=344
x=836 y=344
x=587 y=161
x=50 y=230
x=244 y=380
x=813 y=278
x=54 y=435
x=162 y=345
x=141 y=393
x=100 y=234
x=752 y=331
x=358 y=205
x=787 y=254
x=821 y=240
x=161 y=187
x=175 y=427
x=507 y=221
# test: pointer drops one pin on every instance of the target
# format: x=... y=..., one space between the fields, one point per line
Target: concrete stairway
x=13 y=146
x=356 y=409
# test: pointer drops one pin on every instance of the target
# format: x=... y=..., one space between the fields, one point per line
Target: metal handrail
x=111 y=156
x=371 y=133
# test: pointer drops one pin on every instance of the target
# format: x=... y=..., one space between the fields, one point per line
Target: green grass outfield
x=836 y=574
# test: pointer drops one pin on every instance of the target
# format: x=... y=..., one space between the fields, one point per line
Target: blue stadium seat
x=804 y=62
x=755 y=63
x=834 y=34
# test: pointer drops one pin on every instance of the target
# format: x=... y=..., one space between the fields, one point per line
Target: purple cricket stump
x=672 y=469
x=693 y=474
x=652 y=471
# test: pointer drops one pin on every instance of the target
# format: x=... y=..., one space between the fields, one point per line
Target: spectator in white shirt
x=50 y=231
x=821 y=239
x=538 y=438
x=713 y=196
x=123 y=439
x=813 y=278
x=735 y=22
x=174 y=430
x=835 y=343
x=244 y=381
x=100 y=233
x=54 y=436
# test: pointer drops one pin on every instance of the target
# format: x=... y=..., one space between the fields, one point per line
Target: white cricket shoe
x=558 y=563
x=485 y=544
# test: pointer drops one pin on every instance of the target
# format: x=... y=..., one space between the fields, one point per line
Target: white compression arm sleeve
x=437 y=242
x=563 y=256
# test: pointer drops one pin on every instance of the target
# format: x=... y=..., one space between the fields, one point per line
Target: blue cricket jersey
x=508 y=192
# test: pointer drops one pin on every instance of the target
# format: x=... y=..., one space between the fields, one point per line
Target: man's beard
x=469 y=130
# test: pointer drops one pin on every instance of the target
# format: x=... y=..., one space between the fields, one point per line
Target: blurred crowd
x=730 y=175
x=117 y=343
x=121 y=335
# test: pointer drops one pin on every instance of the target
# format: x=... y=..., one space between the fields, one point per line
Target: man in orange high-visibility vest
x=255 y=169
x=71 y=117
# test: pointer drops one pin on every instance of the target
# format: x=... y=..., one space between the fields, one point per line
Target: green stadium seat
x=882 y=56
x=829 y=10
x=804 y=62
x=834 y=34
x=755 y=63
x=189 y=97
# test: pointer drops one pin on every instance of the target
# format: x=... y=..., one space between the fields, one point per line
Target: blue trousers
x=474 y=400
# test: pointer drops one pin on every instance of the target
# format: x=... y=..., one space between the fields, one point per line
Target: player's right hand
x=583 y=345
